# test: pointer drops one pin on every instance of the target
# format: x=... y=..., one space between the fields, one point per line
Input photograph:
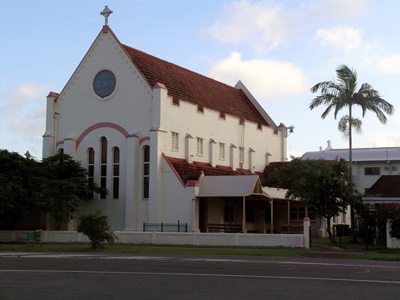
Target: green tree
x=21 y=187
x=344 y=93
x=67 y=185
x=318 y=183
x=55 y=185
x=96 y=227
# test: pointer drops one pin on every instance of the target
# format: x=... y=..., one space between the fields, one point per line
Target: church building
x=170 y=145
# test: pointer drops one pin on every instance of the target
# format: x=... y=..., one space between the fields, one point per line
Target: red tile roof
x=387 y=186
x=185 y=85
x=192 y=171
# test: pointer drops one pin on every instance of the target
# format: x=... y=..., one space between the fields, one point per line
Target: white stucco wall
x=366 y=181
x=185 y=119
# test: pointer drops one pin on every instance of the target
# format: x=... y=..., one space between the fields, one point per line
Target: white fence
x=168 y=238
x=391 y=243
x=175 y=238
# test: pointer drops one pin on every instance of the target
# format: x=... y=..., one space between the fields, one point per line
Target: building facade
x=128 y=117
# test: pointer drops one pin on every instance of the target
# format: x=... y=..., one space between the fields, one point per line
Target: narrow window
x=146 y=172
x=116 y=162
x=91 y=166
x=199 y=146
x=103 y=167
x=175 y=145
x=222 y=151
x=241 y=157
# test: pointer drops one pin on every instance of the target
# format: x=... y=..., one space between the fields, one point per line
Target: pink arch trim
x=146 y=138
x=101 y=125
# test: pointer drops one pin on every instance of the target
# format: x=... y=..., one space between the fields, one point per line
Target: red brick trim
x=100 y=125
x=146 y=138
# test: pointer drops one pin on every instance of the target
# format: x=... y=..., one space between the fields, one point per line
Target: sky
x=278 y=49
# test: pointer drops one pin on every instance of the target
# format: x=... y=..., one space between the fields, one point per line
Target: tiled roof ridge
x=178 y=66
x=195 y=83
x=189 y=172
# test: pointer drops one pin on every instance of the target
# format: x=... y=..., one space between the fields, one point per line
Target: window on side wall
x=199 y=146
x=175 y=145
x=372 y=171
x=91 y=166
x=116 y=162
x=146 y=172
x=222 y=151
x=103 y=166
x=241 y=157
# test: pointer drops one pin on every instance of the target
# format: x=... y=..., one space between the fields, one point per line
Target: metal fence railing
x=165 y=227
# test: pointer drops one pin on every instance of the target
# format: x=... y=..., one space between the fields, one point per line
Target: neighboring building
x=151 y=132
x=369 y=164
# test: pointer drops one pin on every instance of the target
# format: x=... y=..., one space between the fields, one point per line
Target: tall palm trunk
x=352 y=217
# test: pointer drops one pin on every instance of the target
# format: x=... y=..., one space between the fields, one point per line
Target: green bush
x=96 y=227
x=395 y=227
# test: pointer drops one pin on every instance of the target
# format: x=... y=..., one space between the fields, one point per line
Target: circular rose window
x=104 y=83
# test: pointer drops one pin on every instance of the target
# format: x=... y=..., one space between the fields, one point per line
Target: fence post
x=179 y=228
x=144 y=227
x=306 y=233
x=162 y=227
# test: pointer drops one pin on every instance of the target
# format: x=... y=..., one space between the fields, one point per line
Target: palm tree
x=344 y=93
x=343 y=125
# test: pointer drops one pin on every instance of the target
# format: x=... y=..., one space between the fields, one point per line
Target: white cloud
x=337 y=9
x=265 y=25
x=23 y=109
x=260 y=24
x=262 y=77
x=389 y=64
x=341 y=38
x=386 y=140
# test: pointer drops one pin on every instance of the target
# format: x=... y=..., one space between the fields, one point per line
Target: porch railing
x=165 y=227
x=225 y=228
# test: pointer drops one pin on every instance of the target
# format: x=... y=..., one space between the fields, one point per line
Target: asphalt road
x=89 y=276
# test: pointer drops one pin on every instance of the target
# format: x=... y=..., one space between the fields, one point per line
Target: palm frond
x=343 y=125
x=347 y=78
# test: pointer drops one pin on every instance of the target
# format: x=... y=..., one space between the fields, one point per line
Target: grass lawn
x=154 y=249
x=356 y=251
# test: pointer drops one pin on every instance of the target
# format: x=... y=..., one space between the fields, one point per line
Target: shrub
x=395 y=227
x=96 y=227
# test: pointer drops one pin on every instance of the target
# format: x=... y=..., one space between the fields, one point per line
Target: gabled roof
x=229 y=186
x=387 y=186
x=358 y=154
x=275 y=193
x=192 y=171
x=185 y=85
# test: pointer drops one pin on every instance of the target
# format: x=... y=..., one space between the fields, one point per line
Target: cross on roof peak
x=106 y=13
